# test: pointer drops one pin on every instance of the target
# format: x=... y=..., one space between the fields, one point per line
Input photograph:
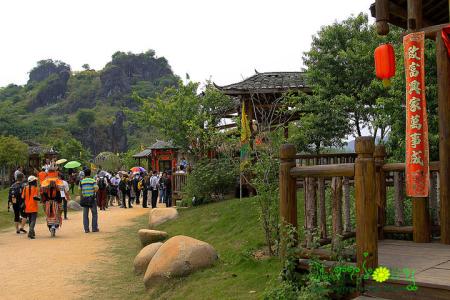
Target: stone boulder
x=73 y=205
x=179 y=256
x=148 y=236
x=160 y=215
x=144 y=257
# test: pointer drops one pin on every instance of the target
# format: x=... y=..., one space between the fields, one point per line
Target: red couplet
x=417 y=152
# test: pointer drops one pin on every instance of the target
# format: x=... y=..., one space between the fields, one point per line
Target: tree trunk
x=322 y=208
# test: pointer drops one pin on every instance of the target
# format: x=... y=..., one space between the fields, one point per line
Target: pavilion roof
x=163 y=145
x=267 y=82
x=145 y=153
x=435 y=12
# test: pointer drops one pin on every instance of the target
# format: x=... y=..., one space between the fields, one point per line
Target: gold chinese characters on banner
x=417 y=158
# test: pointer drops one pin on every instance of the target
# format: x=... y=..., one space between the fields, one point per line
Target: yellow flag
x=93 y=167
x=245 y=126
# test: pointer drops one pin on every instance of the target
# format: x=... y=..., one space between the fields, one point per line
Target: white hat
x=32 y=178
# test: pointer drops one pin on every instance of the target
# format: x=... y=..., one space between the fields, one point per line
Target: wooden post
x=433 y=198
x=322 y=208
x=336 y=190
x=382 y=9
x=311 y=209
x=288 y=192
x=421 y=220
x=443 y=81
x=380 y=182
x=399 y=197
x=346 y=191
x=366 y=206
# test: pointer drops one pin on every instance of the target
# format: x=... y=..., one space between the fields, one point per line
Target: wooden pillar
x=433 y=198
x=443 y=81
x=322 y=207
x=380 y=182
x=366 y=206
x=336 y=198
x=346 y=208
x=288 y=197
x=399 y=197
x=382 y=10
x=311 y=209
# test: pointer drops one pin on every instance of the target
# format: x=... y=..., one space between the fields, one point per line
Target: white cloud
x=225 y=40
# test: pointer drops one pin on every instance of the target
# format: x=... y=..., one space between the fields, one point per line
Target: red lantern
x=385 y=63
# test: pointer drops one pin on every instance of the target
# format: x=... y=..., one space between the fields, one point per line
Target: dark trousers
x=32 y=218
x=144 y=198
x=168 y=198
x=138 y=195
x=93 y=209
x=124 y=198
x=154 y=198
x=65 y=208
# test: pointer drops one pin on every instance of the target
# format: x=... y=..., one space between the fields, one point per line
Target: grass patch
x=232 y=227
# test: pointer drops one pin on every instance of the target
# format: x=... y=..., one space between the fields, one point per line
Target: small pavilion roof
x=267 y=82
x=145 y=153
x=435 y=12
x=162 y=145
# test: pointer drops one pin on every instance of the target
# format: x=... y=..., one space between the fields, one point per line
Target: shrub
x=211 y=179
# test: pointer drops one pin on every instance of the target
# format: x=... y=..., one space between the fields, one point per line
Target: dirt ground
x=52 y=268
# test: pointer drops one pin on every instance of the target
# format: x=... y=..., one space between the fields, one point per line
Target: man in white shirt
x=154 y=180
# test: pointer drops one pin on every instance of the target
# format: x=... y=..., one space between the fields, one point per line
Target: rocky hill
x=90 y=105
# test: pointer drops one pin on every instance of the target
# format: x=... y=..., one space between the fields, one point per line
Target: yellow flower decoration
x=381 y=274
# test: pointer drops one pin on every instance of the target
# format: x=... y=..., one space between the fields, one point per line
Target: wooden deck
x=429 y=261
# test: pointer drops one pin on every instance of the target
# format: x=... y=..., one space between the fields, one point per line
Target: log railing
x=370 y=176
x=178 y=182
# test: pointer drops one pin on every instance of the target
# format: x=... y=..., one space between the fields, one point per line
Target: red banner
x=417 y=158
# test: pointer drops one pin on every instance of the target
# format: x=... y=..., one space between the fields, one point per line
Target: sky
x=224 y=41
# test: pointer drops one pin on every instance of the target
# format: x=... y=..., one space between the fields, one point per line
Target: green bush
x=211 y=179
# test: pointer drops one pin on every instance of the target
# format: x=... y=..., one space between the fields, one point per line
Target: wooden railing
x=370 y=176
x=178 y=182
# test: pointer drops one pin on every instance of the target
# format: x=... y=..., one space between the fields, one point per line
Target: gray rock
x=160 y=215
x=179 y=256
x=144 y=257
x=148 y=236
x=73 y=205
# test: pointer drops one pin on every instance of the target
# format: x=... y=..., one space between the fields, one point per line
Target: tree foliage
x=13 y=152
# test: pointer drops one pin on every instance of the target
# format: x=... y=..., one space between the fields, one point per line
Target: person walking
x=88 y=188
x=113 y=190
x=18 y=171
x=51 y=189
x=145 y=183
x=131 y=193
x=154 y=188
x=15 y=198
x=42 y=175
x=65 y=194
x=123 y=187
x=102 y=191
x=30 y=194
x=137 y=190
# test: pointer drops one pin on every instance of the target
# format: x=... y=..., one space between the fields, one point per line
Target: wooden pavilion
x=161 y=156
x=427 y=256
x=261 y=95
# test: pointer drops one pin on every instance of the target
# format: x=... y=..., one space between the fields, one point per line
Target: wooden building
x=262 y=96
x=425 y=250
x=38 y=154
x=161 y=156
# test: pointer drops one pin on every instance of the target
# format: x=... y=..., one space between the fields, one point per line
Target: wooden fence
x=367 y=171
x=178 y=182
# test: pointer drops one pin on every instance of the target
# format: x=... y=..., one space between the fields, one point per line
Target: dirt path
x=51 y=268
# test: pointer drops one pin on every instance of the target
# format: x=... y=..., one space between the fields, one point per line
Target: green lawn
x=231 y=227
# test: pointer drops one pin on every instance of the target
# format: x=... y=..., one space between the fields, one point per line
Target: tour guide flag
x=245 y=137
x=417 y=160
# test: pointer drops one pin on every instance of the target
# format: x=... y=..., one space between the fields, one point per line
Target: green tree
x=340 y=71
x=184 y=117
x=13 y=152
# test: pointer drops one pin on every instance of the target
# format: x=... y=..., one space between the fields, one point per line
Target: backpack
x=15 y=192
x=122 y=185
x=102 y=183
